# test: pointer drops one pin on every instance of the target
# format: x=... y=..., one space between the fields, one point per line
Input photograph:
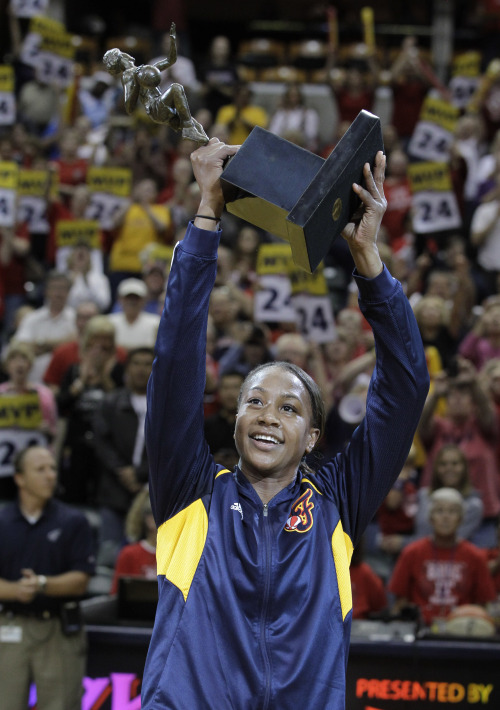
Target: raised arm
x=362 y=476
x=172 y=52
x=174 y=424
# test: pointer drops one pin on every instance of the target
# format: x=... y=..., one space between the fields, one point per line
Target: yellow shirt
x=136 y=232
x=254 y=115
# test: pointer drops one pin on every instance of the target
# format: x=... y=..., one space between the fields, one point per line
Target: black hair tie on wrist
x=204 y=216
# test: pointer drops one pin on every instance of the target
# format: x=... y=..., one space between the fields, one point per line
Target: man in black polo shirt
x=46 y=559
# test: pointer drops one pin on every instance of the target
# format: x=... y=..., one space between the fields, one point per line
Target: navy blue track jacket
x=255 y=603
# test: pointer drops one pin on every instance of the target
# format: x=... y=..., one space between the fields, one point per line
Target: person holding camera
x=46 y=560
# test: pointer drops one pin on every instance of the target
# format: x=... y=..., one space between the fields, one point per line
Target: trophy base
x=297 y=195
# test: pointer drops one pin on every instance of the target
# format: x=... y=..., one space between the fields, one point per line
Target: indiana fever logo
x=301 y=519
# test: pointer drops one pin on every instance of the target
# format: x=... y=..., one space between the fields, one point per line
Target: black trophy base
x=297 y=195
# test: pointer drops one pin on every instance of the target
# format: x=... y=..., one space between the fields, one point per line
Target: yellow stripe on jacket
x=180 y=544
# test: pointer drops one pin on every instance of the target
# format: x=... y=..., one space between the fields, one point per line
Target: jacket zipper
x=263 y=621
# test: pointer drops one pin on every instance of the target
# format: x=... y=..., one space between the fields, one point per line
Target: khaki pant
x=35 y=650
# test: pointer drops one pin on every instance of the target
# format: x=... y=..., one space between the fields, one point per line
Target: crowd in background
x=79 y=319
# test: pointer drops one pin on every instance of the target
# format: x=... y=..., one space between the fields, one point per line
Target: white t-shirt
x=40 y=327
x=141 y=333
x=303 y=119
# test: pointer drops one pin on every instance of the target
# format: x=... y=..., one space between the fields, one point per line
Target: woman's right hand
x=208 y=164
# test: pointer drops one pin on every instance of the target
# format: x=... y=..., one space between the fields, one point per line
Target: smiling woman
x=280 y=418
x=254 y=563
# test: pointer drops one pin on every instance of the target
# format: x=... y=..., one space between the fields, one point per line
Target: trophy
x=271 y=183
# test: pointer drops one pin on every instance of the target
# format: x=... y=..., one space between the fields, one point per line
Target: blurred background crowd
x=93 y=200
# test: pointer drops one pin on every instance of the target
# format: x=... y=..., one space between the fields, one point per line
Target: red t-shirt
x=368 y=593
x=439 y=579
x=349 y=105
x=68 y=354
x=136 y=560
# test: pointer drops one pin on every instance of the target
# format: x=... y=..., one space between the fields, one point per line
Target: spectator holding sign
x=36 y=425
x=60 y=215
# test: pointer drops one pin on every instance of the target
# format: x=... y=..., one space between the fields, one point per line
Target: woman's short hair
x=98 y=325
